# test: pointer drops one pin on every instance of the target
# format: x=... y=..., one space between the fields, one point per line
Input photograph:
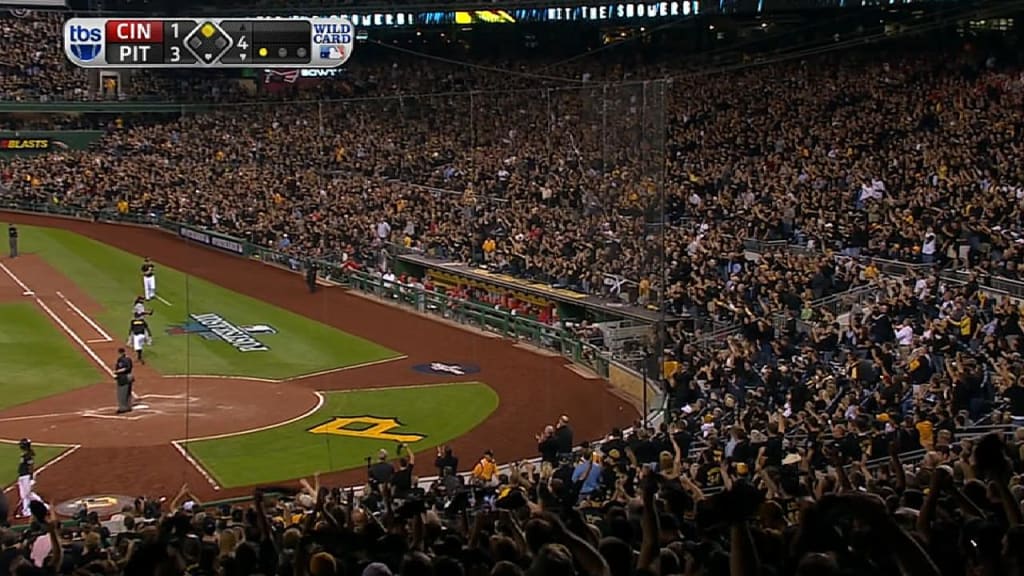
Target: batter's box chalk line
x=131 y=416
x=180 y=397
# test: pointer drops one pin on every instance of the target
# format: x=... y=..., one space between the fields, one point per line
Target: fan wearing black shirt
x=881 y=326
x=382 y=472
x=563 y=436
x=402 y=480
x=446 y=459
x=1015 y=394
x=547 y=446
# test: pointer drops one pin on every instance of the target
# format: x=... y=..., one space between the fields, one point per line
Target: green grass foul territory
x=431 y=415
x=295 y=345
x=37 y=359
x=10 y=455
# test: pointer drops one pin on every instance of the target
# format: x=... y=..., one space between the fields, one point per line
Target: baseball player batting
x=148 y=279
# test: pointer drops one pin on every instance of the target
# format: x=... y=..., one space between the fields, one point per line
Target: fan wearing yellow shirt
x=485 y=472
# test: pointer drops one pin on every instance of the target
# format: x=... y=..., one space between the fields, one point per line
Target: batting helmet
x=25 y=444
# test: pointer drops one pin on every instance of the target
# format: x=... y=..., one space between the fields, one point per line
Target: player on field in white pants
x=139 y=336
x=148 y=279
x=26 y=477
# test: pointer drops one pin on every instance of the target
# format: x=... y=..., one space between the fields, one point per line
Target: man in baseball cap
x=26 y=477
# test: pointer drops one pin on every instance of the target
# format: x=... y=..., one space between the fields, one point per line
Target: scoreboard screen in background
x=208 y=42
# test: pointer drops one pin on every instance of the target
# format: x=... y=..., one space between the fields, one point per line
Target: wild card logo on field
x=214 y=327
x=367 y=427
x=447 y=368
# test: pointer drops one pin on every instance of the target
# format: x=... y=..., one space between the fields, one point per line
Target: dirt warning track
x=134 y=456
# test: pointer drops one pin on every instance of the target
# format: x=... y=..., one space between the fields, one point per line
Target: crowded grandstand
x=826 y=231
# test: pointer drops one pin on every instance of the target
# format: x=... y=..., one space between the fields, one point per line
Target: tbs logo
x=84 y=43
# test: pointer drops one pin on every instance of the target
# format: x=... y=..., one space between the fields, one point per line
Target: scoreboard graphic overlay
x=208 y=42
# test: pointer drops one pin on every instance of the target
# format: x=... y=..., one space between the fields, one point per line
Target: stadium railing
x=998 y=284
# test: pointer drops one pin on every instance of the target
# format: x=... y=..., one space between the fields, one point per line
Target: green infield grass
x=185 y=325
x=10 y=455
x=37 y=358
x=352 y=425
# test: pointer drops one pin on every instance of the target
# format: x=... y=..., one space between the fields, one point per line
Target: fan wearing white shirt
x=928 y=248
x=905 y=335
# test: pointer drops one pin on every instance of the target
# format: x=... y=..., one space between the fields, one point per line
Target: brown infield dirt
x=134 y=454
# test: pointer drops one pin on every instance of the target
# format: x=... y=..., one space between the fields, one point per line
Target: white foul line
x=26 y=291
x=37 y=416
x=188 y=457
x=161 y=298
x=60 y=322
x=99 y=330
x=70 y=450
x=219 y=377
x=345 y=368
x=403 y=387
x=75 y=337
x=34 y=443
x=289 y=379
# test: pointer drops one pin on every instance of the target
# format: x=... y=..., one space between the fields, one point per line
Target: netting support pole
x=604 y=129
x=472 y=126
x=661 y=129
x=551 y=120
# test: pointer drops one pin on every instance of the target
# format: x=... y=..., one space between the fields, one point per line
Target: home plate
x=140 y=406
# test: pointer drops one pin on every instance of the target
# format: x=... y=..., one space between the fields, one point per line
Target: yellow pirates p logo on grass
x=366 y=427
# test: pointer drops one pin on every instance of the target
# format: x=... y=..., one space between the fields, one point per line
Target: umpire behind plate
x=124 y=378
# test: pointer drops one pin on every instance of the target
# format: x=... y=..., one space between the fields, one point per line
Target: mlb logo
x=83 y=43
x=332 y=52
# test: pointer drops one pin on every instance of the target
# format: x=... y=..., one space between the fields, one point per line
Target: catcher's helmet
x=25 y=444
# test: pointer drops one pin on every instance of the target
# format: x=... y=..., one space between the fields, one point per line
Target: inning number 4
x=242 y=43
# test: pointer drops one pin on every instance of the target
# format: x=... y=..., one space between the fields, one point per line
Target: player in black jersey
x=26 y=477
x=138 y=336
x=148 y=279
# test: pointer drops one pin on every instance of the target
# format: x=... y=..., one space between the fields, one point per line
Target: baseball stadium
x=374 y=288
x=249 y=379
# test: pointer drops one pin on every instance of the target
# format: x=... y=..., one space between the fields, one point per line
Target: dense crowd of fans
x=763 y=502
x=807 y=440
x=847 y=157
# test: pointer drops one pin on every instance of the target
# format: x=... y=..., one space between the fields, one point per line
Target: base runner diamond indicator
x=213 y=43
